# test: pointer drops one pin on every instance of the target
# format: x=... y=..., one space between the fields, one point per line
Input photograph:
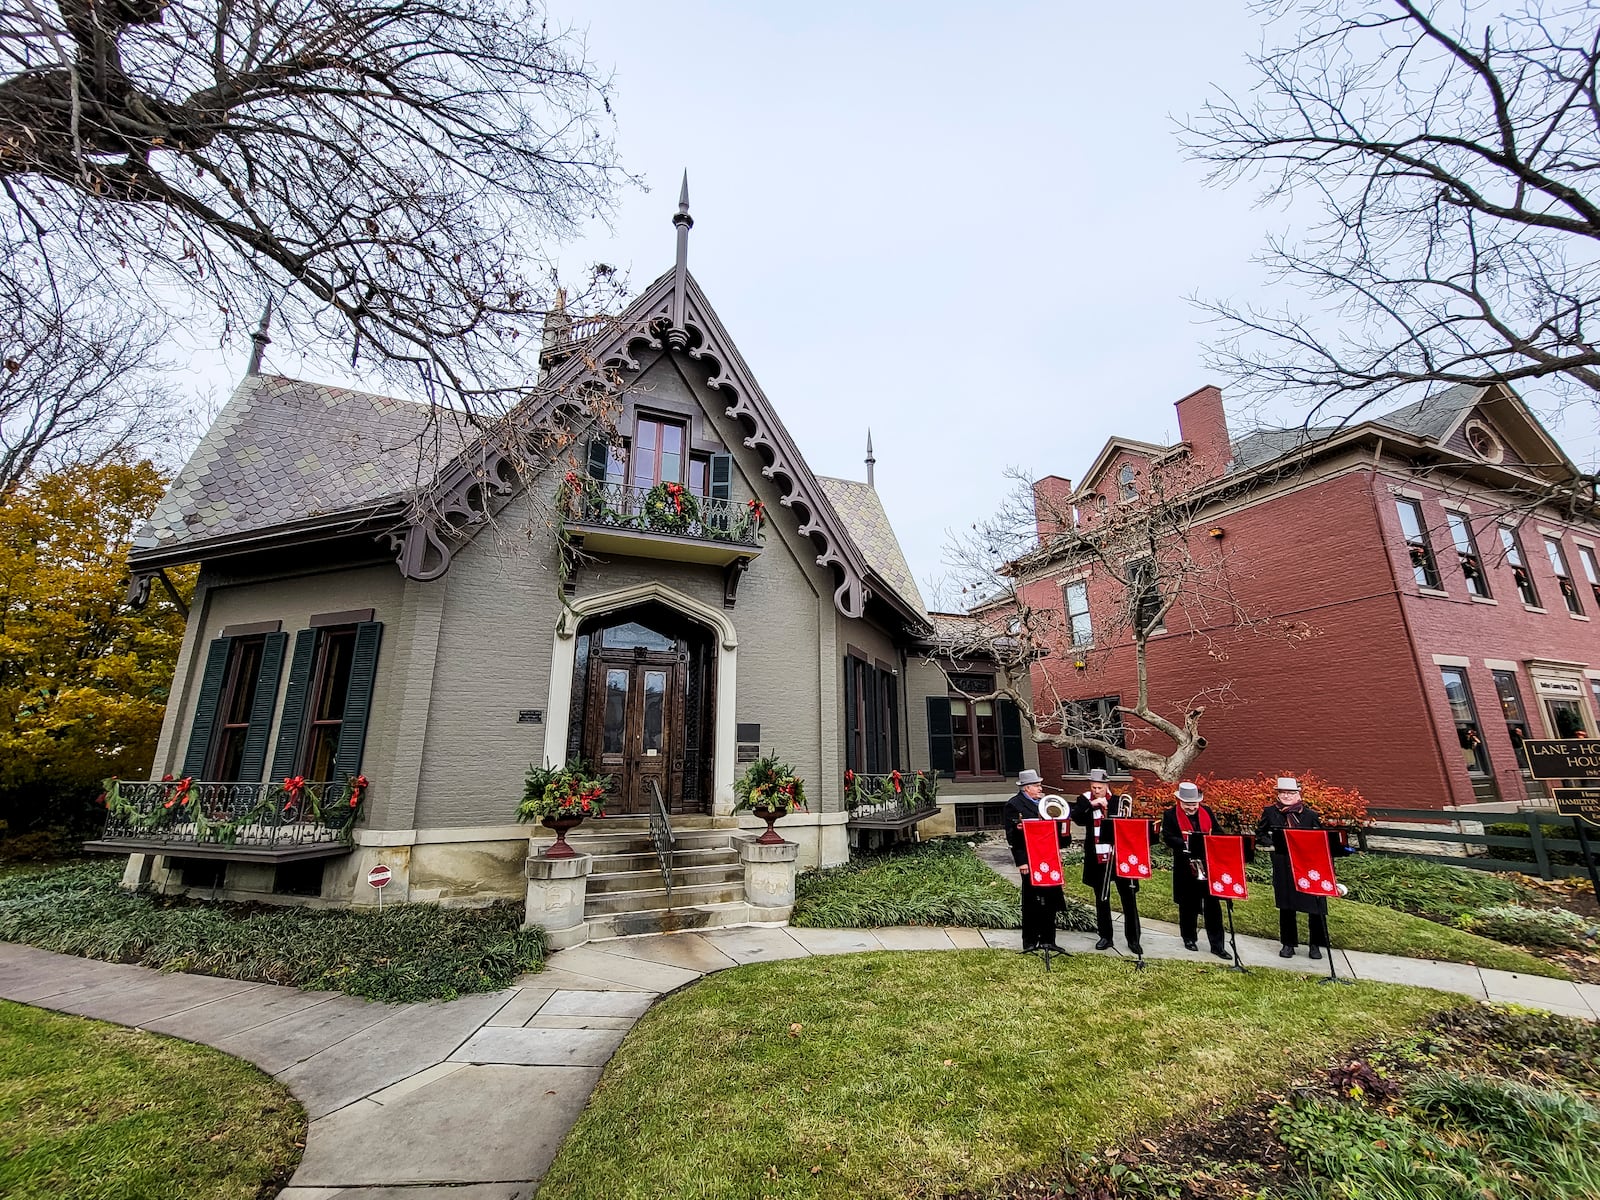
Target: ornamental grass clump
x=1409 y=884
x=555 y=793
x=772 y=785
x=1531 y=926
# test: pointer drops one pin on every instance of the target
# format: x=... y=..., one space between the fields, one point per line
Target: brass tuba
x=1054 y=808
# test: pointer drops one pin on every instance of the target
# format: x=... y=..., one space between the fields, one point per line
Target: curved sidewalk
x=470 y=1100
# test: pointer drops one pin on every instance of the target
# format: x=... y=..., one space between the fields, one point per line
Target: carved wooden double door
x=634 y=730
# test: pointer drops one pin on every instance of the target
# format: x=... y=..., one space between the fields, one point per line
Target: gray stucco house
x=384 y=596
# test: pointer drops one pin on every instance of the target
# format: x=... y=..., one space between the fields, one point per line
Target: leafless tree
x=1150 y=567
x=386 y=171
x=1452 y=156
x=77 y=383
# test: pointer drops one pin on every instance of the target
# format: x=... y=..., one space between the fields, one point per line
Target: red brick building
x=1451 y=610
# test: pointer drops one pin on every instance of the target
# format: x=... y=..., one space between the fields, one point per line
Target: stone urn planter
x=771 y=837
x=559 y=847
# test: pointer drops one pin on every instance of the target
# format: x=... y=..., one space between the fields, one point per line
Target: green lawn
x=1355 y=926
x=894 y=1074
x=407 y=952
x=99 y=1112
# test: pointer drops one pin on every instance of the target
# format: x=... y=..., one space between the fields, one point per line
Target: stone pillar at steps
x=769 y=875
x=557 y=888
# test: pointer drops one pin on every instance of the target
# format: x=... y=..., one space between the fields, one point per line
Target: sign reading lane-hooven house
x=1577 y=758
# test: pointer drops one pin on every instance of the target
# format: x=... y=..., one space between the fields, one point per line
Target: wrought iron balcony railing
x=875 y=801
x=248 y=819
x=664 y=509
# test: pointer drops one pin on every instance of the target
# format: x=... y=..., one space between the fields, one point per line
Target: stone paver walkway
x=470 y=1100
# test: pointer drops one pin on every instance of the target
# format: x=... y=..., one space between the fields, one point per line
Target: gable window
x=974 y=739
x=1098 y=719
x=1591 y=570
x=1467 y=552
x=1510 y=695
x=1077 y=602
x=657 y=452
x=1558 y=564
x=1519 y=567
x=1459 y=694
x=1420 y=549
x=1126 y=486
x=234 y=705
x=328 y=702
x=1144 y=600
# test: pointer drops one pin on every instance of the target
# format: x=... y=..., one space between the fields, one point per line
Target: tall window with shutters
x=871 y=713
x=328 y=701
x=971 y=738
x=233 y=711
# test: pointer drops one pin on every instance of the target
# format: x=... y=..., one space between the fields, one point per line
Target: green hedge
x=406 y=952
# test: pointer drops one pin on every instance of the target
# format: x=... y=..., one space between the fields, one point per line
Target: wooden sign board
x=1579 y=803
x=1563 y=758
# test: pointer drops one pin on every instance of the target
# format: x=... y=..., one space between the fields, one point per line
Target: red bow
x=895 y=776
x=675 y=490
x=358 y=785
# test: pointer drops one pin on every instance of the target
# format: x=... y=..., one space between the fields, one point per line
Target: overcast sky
x=971 y=229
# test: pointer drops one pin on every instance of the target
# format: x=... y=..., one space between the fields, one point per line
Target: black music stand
x=1233 y=941
x=1106 y=876
x=1337 y=848
x=1047 y=953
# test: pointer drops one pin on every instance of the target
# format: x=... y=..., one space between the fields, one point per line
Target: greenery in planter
x=1531 y=926
x=406 y=952
x=570 y=791
x=770 y=784
x=920 y=788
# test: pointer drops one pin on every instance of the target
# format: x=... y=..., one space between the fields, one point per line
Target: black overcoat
x=1284 y=893
x=1186 y=889
x=1094 y=871
x=1022 y=808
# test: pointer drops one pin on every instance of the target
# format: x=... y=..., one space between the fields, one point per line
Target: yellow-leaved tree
x=83 y=680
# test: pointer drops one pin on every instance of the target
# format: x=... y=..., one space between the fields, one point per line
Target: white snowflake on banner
x=1238 y=889
x=1326 y=886
x=1218 y=887
x=1227 y=879
x=1314 y=874
x=1055 y=876
x=1303 y=882
x=1124 y=867
x=1143 y=870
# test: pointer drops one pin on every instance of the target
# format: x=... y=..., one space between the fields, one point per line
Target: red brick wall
x=1361 y=702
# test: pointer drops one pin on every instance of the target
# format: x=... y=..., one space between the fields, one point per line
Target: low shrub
x=1531 y=926
x=1548 y=831
x=407 y=952
x=1238 y=803
x=939 y=882
x=1420 y=886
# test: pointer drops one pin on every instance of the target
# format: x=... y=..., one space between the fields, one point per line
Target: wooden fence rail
x=1534 y=841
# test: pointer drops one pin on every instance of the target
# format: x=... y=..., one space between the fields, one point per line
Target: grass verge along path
x=1355 y=926
x=407 y=952
x=884 y=1075
x=99 y=1112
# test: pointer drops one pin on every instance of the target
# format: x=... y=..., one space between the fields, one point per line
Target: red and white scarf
x=1187 y=826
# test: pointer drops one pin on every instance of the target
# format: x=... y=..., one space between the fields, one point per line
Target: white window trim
x=1076 y=577
x=1578 y=541
x=1409 y=493
x=1482 y=599
x=1422 y=591
x=1503 y=664
x=1457 y=506
x=1549 y=533
x=1451 y=660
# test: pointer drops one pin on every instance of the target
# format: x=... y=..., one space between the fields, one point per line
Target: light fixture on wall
x=1217 y=531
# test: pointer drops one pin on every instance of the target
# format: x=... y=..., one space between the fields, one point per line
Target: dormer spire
x=678 y=335
x=260 y=341
x=871 y=461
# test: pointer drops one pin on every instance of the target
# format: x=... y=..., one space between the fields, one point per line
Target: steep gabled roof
x=868 y=524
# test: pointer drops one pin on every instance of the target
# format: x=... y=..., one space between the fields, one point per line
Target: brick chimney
x=1203 y=424
x=1052 y=506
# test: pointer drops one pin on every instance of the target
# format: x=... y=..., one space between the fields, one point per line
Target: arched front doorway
x=643 y=707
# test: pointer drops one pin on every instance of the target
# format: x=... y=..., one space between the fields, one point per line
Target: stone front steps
x=626 y=895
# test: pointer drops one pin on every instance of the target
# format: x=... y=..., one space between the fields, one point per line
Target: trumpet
x=1054 y=808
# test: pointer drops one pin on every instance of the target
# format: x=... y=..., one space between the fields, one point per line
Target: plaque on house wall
x=1563 y=758
x=530 y=716
x=747 y=743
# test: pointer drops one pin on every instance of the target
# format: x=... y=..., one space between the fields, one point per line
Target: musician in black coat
x=1039 y=904
x=1292 y=812
x=1091 y=810
x=1184 y=826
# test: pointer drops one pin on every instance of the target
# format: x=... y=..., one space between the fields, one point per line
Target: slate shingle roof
x=284 y=451
x=868 y=526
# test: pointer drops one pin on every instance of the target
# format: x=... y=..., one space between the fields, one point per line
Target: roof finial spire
x=871 y=461
x=260 y=341
x=678 y=335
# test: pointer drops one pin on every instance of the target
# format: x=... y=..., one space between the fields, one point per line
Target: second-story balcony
x=265 y=822
x=665 y=521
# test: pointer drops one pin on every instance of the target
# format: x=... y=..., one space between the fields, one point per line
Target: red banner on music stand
x=1225 y=867
x=1132 y=838
x=1043 y=842
x=1311 y=862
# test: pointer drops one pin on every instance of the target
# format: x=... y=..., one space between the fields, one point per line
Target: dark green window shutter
x=1010 y=737
x=295 y=703
x=892 y=695
x=205 y=709
x=358 y=700
x=941 y=745
x=262 y=706
x=722 y=477
x=599 y=458
x=850 y=715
